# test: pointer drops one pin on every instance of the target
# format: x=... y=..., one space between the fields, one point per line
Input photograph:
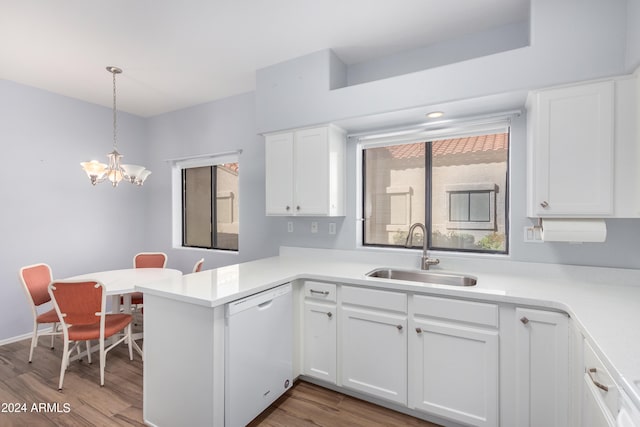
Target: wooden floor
x=33 y=389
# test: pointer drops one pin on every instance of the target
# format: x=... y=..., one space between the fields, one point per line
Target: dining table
x=119 y=284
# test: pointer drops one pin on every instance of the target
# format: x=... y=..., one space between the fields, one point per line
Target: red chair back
x=150 y=260
x=36 y=278
x=80 y=303
x=198 y=266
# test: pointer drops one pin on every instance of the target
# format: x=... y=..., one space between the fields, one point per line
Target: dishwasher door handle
x=265 y=305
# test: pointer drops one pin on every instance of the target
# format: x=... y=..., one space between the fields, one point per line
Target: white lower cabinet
x=320 y=331
x=600 y=395
x=453 y=366
x=374 y=343
x=542 y=368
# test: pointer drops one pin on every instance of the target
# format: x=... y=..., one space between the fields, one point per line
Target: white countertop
x=605 y=302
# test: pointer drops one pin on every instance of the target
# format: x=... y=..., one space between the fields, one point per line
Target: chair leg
x=65 y=362
x=34 y=340
x=130 y=341
x=103 y=360
x=89 y=351
x=53 y=331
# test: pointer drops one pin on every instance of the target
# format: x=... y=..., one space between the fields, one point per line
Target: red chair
x=146 y=260
x=81 y=308
x=198 y=266
x=35 y=279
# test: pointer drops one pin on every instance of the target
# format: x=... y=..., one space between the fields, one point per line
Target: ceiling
x=176 y=54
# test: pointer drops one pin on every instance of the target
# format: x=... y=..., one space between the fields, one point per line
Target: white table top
x=124 y=281
x=604 y=302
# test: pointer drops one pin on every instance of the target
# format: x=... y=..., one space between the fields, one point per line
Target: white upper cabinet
x=583 y=150
x=305 y=172
x=570 y=151
x=279 y=174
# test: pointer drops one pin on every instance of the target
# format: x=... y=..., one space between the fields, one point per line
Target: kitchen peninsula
x=185 y=331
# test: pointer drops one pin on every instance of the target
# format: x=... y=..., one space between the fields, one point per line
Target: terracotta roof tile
x=472 y=144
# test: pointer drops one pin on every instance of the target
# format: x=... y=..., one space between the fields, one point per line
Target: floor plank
x=82 y=402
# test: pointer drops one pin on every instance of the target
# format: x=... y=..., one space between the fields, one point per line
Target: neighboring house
x=468 y=185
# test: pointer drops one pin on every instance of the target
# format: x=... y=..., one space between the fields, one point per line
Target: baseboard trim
x=15 y=339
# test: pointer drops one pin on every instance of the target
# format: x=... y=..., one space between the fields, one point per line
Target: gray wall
x=633 y=34
x=571 y=40
x=52 y=214
x=50 y=211
x=210 y=128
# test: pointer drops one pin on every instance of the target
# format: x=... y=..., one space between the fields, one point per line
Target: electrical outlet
x=332 y=228
x=290 y=227
x=314 y=227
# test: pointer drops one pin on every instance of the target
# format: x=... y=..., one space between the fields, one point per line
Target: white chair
x=81 y=308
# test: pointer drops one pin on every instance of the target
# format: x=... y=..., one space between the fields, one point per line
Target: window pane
x=479 y=206
x=227 y=206
x=394 y=196
x=467 y=183
x=197 y=207
x=477 y=166
x=459 y=207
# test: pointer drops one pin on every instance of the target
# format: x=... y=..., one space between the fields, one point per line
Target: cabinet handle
x=329 y=314
x=419 y=330
x=524 y=320
x=601 y=386
x=313 y=291
x=399 y=327
x=297 y=208
x=288 y=208
x=544 y=204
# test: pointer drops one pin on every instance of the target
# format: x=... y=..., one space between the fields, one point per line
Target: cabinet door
x=594 y=412
x=374 y=353
x=572 y=151
x=320 y=341
x=542 y=366
x=453 y=372
x=311 y=172
x=279 y=174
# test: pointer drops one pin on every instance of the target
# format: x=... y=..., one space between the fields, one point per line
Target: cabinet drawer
x=320 y=291
x=597 y=378
x=374 y=298
x=456 y=310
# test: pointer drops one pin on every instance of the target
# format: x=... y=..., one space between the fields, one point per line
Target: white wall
x=50 y=211
x=570 y=40
x=476 y=45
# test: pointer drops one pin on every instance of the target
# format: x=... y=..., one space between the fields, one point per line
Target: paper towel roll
x=573 y=230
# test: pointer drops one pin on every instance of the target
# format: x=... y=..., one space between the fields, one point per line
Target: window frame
x=177 y=168
x=401 y=137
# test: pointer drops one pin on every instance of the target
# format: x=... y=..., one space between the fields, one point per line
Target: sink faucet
x=426 y=261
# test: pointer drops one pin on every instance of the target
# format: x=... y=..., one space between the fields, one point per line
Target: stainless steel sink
x=424 y=276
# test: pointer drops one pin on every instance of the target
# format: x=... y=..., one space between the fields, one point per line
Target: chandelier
x=115 y=171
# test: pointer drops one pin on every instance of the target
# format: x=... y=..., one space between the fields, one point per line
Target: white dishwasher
x=258 y=353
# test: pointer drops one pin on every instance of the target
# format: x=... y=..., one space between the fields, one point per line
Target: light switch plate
x=532 y=235
x=290 y=227
x=332 y=228
x=314 y=226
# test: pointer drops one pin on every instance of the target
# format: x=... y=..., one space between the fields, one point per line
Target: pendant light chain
x=115 y=144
